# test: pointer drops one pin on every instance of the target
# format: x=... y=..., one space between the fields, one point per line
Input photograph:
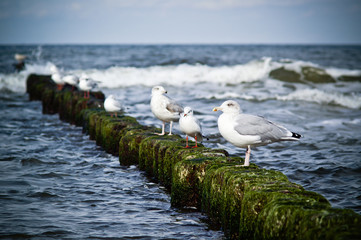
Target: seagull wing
x=258 y=126
x=117 y=104
x=173 y=107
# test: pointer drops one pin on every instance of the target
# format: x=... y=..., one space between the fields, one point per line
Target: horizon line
x=189 y=43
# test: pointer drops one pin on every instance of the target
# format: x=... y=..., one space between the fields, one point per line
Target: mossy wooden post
x=129 y=144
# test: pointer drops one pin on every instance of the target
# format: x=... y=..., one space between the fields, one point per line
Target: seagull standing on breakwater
x=86 y=84
x=112 y=105
x=190 y=125
x=57 y=77
x=72 y=80
x=164 y=108
x=244 y=130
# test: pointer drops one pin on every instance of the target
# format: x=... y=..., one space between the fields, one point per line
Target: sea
x=55 y=183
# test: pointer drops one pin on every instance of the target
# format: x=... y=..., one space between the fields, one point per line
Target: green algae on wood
x=130 y=142
x=188 y=175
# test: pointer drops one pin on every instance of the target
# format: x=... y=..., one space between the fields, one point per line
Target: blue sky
x=180 y=21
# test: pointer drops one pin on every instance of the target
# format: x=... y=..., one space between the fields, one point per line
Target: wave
x=177 y=75
x=255 y=74
x=322 y=97
x=16 y=81
x=258 y=70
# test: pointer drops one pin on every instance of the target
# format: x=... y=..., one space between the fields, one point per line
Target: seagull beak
x=216 y=109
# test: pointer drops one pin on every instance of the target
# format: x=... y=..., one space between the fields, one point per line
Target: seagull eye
x=230 y=104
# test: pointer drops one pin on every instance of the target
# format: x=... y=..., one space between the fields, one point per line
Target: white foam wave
x=179 y=75
x=292 y=65
x=318 y=96
x=221 y=78
x=16 y=82
x=337 y=72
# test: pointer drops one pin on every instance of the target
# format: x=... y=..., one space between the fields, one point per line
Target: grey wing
x=259 y=126
x=174 y=107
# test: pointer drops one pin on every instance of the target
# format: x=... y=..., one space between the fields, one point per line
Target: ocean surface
x=56 y=183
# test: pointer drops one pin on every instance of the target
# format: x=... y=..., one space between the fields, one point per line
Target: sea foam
x=322 y=97
x=220 y=79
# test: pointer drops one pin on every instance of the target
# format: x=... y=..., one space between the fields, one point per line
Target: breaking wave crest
x=259 y=71
x=322 y=97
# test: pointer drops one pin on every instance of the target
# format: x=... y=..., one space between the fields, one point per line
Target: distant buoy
x=20 y=64
x=20 y=57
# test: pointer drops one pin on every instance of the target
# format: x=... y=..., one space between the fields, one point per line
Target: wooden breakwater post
x=248 y=203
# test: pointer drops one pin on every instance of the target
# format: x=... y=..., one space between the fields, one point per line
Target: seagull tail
x=296 y=135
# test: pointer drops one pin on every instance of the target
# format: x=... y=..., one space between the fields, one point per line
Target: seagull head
x=187 y=111
x=228 y=106
x=158 y=90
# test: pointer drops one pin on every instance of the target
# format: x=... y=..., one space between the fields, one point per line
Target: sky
x=180 y=22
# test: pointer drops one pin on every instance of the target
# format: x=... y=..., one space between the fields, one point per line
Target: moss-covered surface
x=285 y=75
x=247 y=202
x=316 y=75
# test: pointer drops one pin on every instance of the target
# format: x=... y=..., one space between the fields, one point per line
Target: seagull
x=190 y=125
x=244 y=130
x=112 y=105
x=57 y=77
x=164 y=108
x=72 y=80
x=86 y=84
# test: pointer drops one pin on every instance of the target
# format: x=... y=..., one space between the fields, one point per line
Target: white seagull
x=190 y=125
x=164 y=108
x=244 y=130
x=112 y=105
x=86 y=84
x=72 y=80
x=56 y=77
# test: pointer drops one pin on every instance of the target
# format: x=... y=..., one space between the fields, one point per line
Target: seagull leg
x=248 y=155
x=195 y=138
x=163 y=126
x=170 y=128
x=186 y=142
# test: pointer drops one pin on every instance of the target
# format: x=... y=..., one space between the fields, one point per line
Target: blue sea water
x=57 y=183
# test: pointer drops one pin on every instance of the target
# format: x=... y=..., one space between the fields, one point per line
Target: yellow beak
x=216 y=109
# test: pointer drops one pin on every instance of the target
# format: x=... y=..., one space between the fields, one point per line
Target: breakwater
x=248 y=203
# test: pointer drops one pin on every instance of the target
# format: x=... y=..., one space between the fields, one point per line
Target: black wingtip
x=296 y=135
